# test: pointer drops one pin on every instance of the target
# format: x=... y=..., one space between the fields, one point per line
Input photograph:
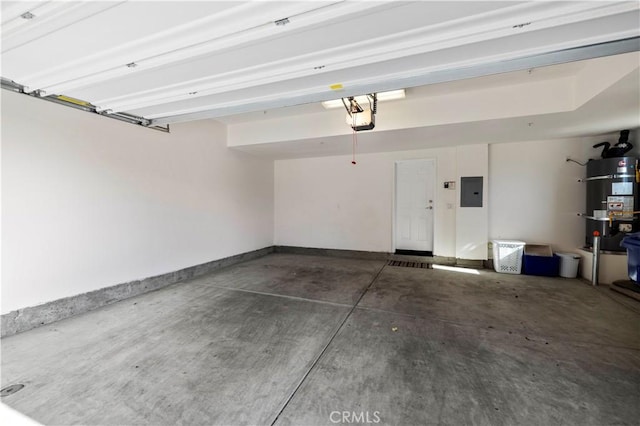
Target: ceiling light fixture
x=281 y=22
x=382 y=96
x=27 y=15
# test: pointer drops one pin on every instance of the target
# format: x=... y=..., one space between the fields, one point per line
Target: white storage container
x=507 y=256
x=569 y=264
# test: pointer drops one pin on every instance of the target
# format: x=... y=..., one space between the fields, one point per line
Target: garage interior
x=189 y=236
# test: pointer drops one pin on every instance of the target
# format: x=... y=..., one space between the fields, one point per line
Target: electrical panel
x=471 y=191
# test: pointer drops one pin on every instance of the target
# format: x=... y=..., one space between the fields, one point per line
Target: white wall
x=472 y=226
x=531 y=193
x=329 y=203
x=534 y=192
x=90 y=202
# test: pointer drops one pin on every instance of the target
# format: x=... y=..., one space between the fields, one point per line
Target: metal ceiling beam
x=552 y=58
x=86 y=107
x=192 y=93
x=546 y=59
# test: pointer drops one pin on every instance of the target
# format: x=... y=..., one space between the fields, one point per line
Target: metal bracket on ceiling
x=83 y=106
x=354 y=107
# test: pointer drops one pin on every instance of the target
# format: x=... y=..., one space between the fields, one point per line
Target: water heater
x=612 y=200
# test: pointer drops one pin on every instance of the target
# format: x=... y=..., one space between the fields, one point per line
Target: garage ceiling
x=173 y=61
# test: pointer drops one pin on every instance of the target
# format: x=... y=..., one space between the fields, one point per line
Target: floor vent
x=406 y=264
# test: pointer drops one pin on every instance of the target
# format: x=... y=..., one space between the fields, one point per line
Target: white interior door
x=415 y=205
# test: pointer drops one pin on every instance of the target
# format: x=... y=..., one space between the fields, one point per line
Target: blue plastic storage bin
x=548 y=266
x=632 y=243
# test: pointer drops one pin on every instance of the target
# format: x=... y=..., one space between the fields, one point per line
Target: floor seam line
x=324 y=349
x=323 y=302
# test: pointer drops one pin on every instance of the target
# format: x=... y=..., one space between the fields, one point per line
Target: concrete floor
x=298 y=340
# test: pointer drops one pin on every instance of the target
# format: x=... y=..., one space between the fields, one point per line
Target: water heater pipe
x=595 y=264
x=613 y=214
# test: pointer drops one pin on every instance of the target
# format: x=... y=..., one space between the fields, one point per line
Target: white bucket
x=569 y=263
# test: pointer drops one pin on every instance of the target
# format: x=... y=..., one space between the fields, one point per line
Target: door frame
x=394 y=207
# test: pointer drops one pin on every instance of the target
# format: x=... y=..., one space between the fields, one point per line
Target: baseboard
x=351 y=254
x=470 y=263
x=36 y=316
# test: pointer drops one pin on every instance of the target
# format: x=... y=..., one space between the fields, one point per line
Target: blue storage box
x=632 y=243
x=540 y=260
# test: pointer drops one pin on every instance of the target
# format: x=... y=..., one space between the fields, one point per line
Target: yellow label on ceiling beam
x=74 y=100
x=337 y=86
